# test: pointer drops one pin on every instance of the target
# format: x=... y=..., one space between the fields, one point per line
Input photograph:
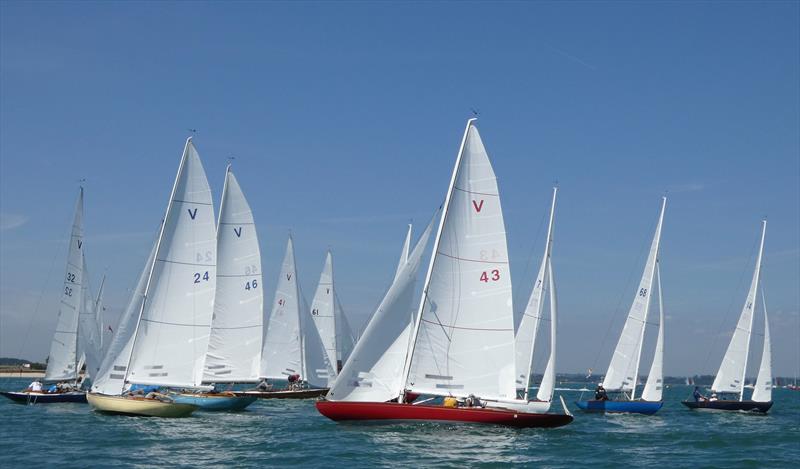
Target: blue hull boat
x=27 y=397
x=629 y=407
x=218 y=402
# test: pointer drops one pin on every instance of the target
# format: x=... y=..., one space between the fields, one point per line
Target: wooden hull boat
x=226 y=401
x=741 y=406
x=140 y=406
x=392 y=411
x=284 y=394
x=28 y=397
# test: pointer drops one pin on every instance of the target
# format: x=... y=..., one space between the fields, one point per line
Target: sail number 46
x=494 y=276
x=251 y=285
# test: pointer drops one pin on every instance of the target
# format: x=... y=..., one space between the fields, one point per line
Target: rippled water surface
x=280 y=433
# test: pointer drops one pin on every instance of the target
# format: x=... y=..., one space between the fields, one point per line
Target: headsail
x=762 y=392
x=88 y=333
x=374 y=371
x=324 y=317
x=548 y=384
x=653 y=388
x=282 y=353
x=234 y=348
x=730 y=377
x=463 y=341
x=623 y=370
x=63 y=358
x=172 y=337
x=525 y=338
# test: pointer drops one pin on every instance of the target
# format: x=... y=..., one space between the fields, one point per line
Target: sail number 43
x=493 y=276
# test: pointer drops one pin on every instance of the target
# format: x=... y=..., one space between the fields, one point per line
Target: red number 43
x=493 y=276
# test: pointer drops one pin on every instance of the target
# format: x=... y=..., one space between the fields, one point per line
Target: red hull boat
x=376 y=411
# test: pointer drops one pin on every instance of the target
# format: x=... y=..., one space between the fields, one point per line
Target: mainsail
x=653 y=388
x=234 y=348
x=282 y=353
x=762 y=392
x=324 y=316
x=374 y=371
x=463 y=342
x=623 y=370
x=63 y=358
x=548 y=383
x=730 y=377
x=171 y=339
x=525 y=338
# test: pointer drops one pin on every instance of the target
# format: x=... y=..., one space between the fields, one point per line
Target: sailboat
x=623 y=371
x=326 y=319
x=375 y=368
x=461 y=349
x=63 y=359
x=525 y=338
x=731 y=375
x=174 y=303
x=291 y=345
x=234 y=348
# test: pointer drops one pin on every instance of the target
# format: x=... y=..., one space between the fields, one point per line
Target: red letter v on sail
x=478 y=206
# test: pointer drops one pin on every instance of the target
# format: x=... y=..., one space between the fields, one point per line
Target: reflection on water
x=283 y=433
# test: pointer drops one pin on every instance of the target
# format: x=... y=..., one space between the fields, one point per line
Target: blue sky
x=344 y=120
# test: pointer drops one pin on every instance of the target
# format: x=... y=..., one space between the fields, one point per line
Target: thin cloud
x=10 y=221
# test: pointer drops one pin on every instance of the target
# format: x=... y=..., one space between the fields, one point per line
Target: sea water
x=293 y=433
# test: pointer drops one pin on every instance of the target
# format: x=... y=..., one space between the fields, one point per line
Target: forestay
x=88 y=332
x=464 y=337
x=624 y=367
x=172 y=336
x=525 y=338
x=282 y=354
x=63 y=359
x=373 y=373
x=730 y=376
x=762 y=392
x=234 y=348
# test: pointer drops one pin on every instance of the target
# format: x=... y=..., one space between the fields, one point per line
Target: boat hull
x=285 y=394
x=215 y=402
x=393 y=411
x=139 y=406
x=622 y=407
x=740 y=406
x=25 y=397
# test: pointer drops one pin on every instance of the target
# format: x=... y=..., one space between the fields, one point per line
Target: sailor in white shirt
x=35 y=386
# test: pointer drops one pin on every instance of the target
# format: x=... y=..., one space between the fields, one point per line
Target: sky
x=344 y=121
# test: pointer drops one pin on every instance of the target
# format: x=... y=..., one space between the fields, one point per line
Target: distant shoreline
x=22 y=374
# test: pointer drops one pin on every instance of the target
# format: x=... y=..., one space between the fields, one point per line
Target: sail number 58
x=494 y=276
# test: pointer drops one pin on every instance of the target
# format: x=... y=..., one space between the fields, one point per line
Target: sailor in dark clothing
x=698 y=396
x=600 y=393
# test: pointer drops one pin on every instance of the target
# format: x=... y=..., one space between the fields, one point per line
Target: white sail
x=324 y=317
x=624 y=367
x=63 y=358
x=548 y=384
x=404 y=253
x=99 y=309
x=111 y=377
x=463 y=341
x=525 y=338
x=88 y=333
x=653 y=388
x=762 y=392
x=730 y=377
x=318 y=369
x=374 y=370
x=282 y=353
x=234 y=348
x=172 y=337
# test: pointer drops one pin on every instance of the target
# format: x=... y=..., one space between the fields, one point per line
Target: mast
x=548 y=272
x=756 y=276
x=300 y=326
x=155 y=257
x=424 y=296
